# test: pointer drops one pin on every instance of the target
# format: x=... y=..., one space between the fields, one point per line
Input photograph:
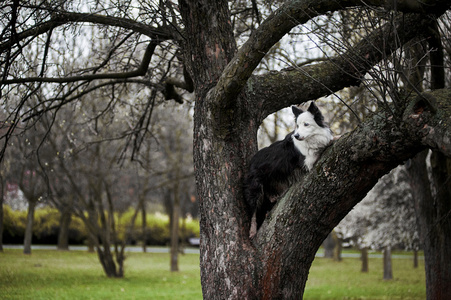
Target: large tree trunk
x=224 y=138
x=29 y=227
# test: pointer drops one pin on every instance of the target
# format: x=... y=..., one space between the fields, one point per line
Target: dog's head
x=307 y=122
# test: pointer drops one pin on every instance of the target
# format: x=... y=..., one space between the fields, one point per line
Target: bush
x=13 y=225
x=45 y=227
x=157 y=231
x=47 y=219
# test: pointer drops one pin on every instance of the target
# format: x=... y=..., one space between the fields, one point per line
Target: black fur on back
x=269 y=172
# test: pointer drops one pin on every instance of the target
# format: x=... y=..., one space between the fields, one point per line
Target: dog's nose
x=298 y=137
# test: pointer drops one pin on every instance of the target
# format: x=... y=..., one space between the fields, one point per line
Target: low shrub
x=13 y=225
x=157 y=231
x=47 y=219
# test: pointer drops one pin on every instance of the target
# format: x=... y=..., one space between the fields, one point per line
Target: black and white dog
x=271 y=168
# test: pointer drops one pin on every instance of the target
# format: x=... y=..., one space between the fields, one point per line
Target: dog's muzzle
x=298 y=137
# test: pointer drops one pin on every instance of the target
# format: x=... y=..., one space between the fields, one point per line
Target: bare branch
x=299 y=85
x=140 y=71
x=63 y=17
x=292 y=13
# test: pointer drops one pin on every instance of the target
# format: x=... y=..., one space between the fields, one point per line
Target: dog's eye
x=306 y=124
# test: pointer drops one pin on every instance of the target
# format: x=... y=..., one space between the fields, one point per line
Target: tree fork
x=313 y=207
x=275 y=264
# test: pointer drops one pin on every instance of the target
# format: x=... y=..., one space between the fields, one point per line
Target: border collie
x=271 y=168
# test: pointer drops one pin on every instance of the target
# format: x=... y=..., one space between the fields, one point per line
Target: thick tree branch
x=291 y=14
x=314 y=206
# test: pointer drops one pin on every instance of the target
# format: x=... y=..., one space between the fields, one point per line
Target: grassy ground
x=343 y=280
x=78 y=275
x=49 y=274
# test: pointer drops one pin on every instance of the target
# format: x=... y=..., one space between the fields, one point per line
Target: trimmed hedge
x=46 y=228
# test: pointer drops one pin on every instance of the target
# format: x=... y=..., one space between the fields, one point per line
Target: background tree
x=421 y=179
x=87 y=178
x=332 y=245
x=28 y=172
x=432 y=223
x=176 y=167
x=59 y=186
x=231 y=101
x=385 y=219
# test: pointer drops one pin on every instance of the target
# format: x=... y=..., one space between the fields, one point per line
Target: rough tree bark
x=229 y=107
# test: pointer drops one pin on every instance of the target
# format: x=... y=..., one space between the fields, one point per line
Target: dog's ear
x=296 y=110
x=318 y=116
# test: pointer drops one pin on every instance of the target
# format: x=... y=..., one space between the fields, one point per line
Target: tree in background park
x=383 y=220
x=219 y=50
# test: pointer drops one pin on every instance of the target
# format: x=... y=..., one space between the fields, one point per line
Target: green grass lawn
x=343 y=280
x=78 y=275
x=50 y=274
